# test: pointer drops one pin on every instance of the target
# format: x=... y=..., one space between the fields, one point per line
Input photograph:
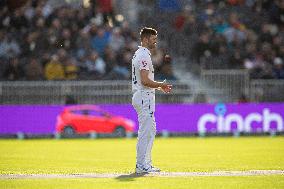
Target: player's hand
x=165 y=87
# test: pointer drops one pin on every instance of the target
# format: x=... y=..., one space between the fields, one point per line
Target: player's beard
x=153 y=46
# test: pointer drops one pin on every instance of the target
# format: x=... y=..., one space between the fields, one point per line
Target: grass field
x=118 y=156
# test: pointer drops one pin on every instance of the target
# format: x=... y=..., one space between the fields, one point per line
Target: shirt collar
x=144 y=48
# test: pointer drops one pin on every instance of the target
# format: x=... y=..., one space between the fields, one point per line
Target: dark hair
x=147 y=32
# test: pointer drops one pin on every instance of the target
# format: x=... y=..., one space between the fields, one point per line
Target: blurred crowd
x=235 y=34
x=39 y=41
x=42 y=42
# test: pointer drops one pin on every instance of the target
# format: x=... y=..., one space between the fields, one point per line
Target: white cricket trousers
x=144 y=104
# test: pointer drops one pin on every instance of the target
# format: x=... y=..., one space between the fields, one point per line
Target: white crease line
x=132 y=175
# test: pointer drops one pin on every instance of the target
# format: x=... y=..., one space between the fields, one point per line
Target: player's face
x=152 y=42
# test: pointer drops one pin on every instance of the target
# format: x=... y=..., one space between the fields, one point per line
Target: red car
x=82 y=119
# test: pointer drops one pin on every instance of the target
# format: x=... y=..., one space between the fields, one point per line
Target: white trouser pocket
x=148 y=102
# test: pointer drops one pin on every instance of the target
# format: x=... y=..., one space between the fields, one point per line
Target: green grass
x=118 y=156
x=251 y=182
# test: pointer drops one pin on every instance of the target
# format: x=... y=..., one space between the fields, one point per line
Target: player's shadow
x=129 y=177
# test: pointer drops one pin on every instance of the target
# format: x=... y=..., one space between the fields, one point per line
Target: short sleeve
x=144 y=64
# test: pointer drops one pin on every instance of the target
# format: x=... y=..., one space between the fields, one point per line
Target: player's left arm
x=146 y=81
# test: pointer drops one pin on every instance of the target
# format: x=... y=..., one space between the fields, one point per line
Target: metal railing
x=227 y=85
x=267 y=90
x=83 y=92
x=233 y=83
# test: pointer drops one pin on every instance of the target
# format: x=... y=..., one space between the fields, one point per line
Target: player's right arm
x=146 y=81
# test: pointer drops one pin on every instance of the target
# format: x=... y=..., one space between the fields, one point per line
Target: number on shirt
x=134 y=79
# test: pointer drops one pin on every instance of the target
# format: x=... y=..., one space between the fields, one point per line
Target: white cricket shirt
x=141 y=60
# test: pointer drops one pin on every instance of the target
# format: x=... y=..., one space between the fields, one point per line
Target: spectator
x=106 y=8
x=14 y=71
x=202 y=47
x=169 y=5
x=33 y=70
x=18 y=20
x=9 y=48
x=180 y=20
x=34 y=43
x=278 y=70
x=100 y=41
x=110 y=59
x=71 y=69
x=66 y=40
x=265 y=35
x=166 y=70
x=126 y=31
x=121 y=69
x=38 y=30
x=2 y=68
x=236 y=60
x=116 y=40
x=54 y=69
x=276 y=12
x=220 y=25
x=95 y=65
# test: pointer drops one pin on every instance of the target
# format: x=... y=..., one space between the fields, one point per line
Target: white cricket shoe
x=155 y=169
x=141 y=170
x=151 y=169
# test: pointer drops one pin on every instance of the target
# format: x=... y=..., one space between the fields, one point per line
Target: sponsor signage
x=178 y=118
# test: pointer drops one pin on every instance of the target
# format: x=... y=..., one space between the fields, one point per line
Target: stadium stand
x=56 y=41
x=41 y=42
x=231 y=34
